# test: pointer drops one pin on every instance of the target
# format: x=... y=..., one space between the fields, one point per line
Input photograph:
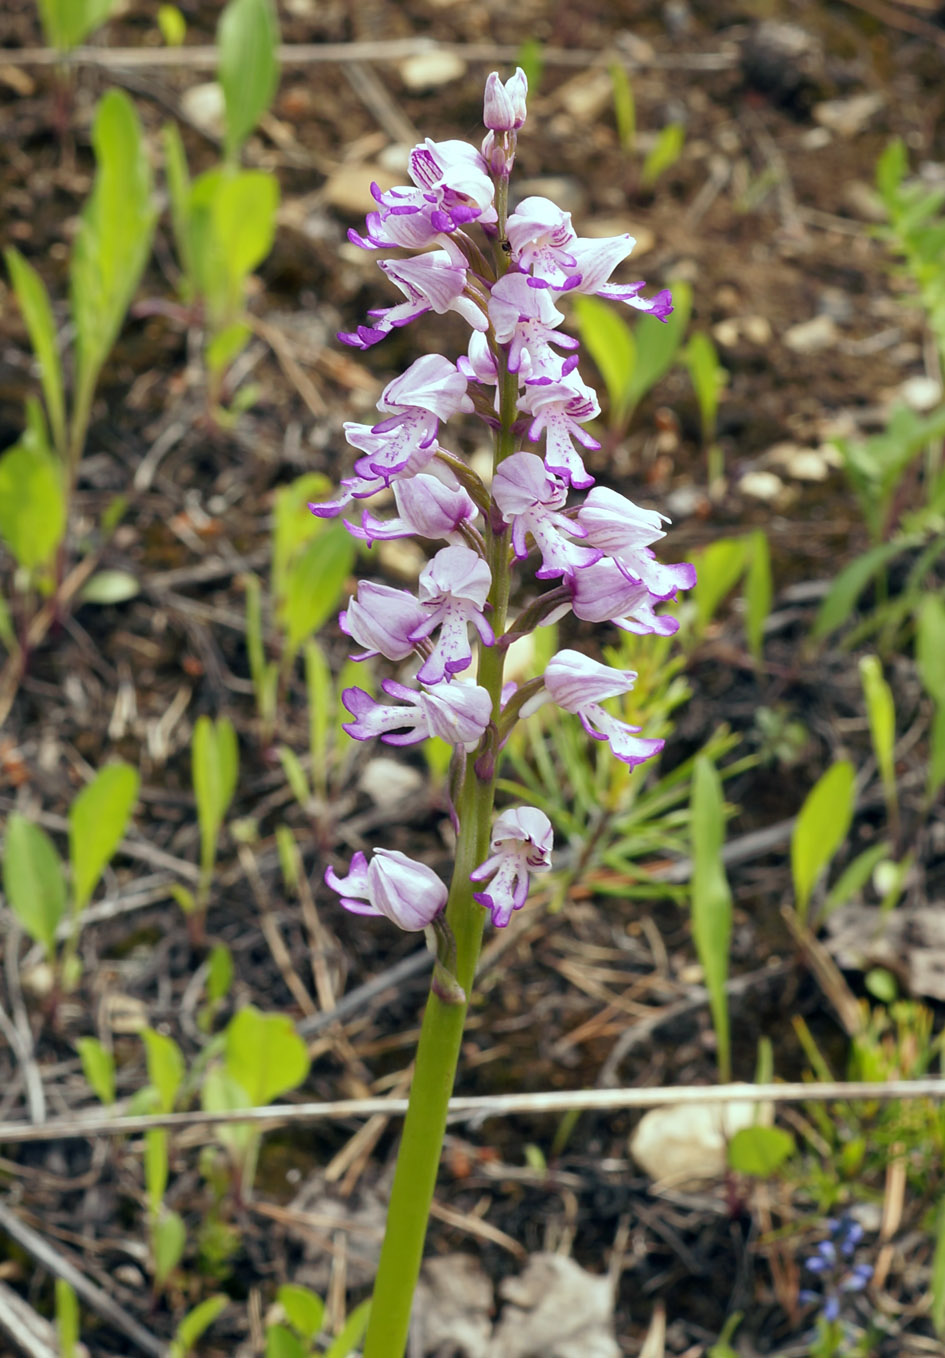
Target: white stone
x=205 y=106
x=761 y=485
x=689 y=1145
x=810 y=337
x=431 y=70
x=390 y=782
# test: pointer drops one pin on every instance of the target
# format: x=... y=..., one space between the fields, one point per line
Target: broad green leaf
x=66 y=23
x=33 y=881
x=7 y=630
x=172 y=24
x=98 y=818
x=247 y=38
x=840 y=600
x=881 y=713
x=938 y=1273
x=708 y=378
x=711 y=898
x=67 y=1319
x=98 y=1067
x=114 y=237
x=304 y=1309
x=610 y=343
x=215 y=768
x=658 y=343
x=264 y=1054
x=219 y=972
x=282 y=1343
x=32 y=503
x=244 y=215
x=759 y=1151
x=177 y=176
x=321 y=701
x=936 y=777
x=854 y=877
x=820 y=829
x=226 y=345
x=930 y=646
x=295 y=775
x=168 y=1238
x=663 y=154
x=351 y=1333
x=315 y=585
x=37 y=313
x=718 y=569
x=155 y=1167
x=882 y=985
x=165 y=1066
x=759 y=592
x=110 y=587
x=294 y=525
x=625 y=113
x=196 y=1323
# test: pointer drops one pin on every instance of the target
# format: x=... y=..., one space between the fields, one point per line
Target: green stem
x=443 y=1022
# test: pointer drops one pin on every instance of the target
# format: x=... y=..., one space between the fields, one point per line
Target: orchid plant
x=504 y=273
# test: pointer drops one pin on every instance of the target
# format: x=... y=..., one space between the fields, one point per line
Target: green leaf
x=663 y=154
x=658 y=343
x=881 y=984
x=938 y=1273
x=168 y=1238
x=315 y=585
x=219 y=972
x=936 y=777
x=881 y=712
x=708 y=378
x=226 y=345
x=32 y=502
x=67 y=1319
x=304 y=1309
x=247 y=38
x=177 y=176
x=282 y=1343
x=66 y=23
x=854 y=877
x=759 y=592
x=196 y=1323
x=37 y=313
x=840 y=600
x=318 y=689
x=215 y=768
x=110 y=587
x=7 y=630
x=295 y=775
x=165 y=1066
x=625 y=113
x=294 y=525
x=711 y=898
x=155 y=1167
x=759 y=1151
x=264 y=1054
x=610 y=343
x=33 y=882
x=351 y=1333
x=98 y=818
x=172 y=24
x=820 y=829
x=114 y=238
x=718 y=569
x=930 y=646
x=98 y=1066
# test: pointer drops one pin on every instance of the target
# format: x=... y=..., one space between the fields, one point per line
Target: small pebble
x=810 y=337
x=431 y=70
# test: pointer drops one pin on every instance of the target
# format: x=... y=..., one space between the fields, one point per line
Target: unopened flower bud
x=504 y=104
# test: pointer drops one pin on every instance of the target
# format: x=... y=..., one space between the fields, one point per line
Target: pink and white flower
x=530 y=498
x=404 y=891
x=382 y=620
x=454 y=587
x=579 y=684
x=457 y=713
x=521 y=844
